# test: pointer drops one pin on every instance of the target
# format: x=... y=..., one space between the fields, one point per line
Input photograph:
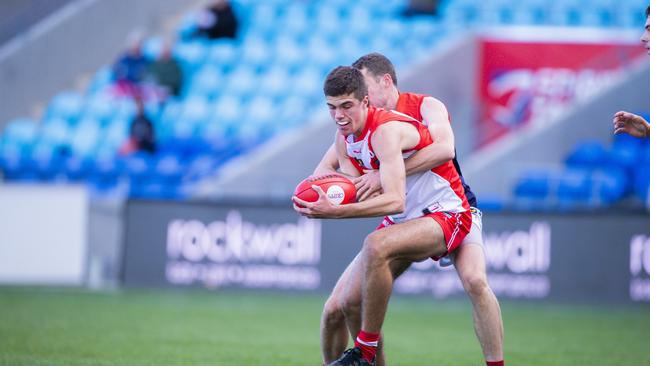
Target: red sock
x=368 y=343
x=494 y=363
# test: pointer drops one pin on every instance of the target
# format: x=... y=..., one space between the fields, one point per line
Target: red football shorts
x=455 y=227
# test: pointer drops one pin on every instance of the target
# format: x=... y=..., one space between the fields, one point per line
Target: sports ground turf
x=41 y=326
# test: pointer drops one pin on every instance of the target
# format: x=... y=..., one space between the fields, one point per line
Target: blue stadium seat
x=187 y=27
x=216 y=134
x=47 y=161
x=295 y=19
x=17 y=167
x=574 y=189
x=85 y=136
x=77 y=169
x=261 y=111
x=275 y=82
x=55 y=133
x=66 y=105
x=291 y=110
x=182 y=130
x=126 y=109
x=105 y=174
x=459 y=13
x=392 y=29
x=424 y=31
x=264 y=16
x=491 y=203
x=101 y=107
x=195 y=110
x=359 y=20
x=288 y=52
x=18 y=138
x=611 y=185
x=201 y=166
x=533 y=189
x=249 y=136
x=625 y=151
x=320 y=51
x=208 y=82
x=307 y=81
x=590 y=155
x=242 y=81
x=255 y=52
x=228 y=108
x=20 y=130
x=168 y=171
x=191 y=55
x=222 y=53
x=641 y=183
x=171 y=112
x=137 y=167
x=100 y=81
x=328 y=19
x=152 y=47
x=114 y=135
x=351 y=48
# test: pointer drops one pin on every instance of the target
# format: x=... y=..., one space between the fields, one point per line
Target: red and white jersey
x=438 y=189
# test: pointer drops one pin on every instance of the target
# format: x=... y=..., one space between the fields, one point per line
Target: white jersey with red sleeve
x=435 y=190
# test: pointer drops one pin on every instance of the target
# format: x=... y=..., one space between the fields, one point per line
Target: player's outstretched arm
x=632 y=124
x=435 y=116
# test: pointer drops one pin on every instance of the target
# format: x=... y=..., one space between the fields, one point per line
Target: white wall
x=43 y=234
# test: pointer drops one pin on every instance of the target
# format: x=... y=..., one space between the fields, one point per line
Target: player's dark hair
x=377 y=64
x=345 y=80
x=647 y=11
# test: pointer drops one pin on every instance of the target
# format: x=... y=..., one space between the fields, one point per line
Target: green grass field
x=40 y=326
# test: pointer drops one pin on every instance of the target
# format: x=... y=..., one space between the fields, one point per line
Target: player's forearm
x=324 y=170
x=428 y=158
x=328 y=163
x=381 y=205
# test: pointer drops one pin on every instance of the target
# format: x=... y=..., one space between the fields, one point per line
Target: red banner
x=524 y=82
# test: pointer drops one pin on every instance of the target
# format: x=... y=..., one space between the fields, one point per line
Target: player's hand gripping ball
x=339 y=189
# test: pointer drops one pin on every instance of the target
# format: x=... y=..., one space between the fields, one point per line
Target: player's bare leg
x=333 y=330
x=352 y=305
x=470 y=265
x=342 y=312
x=414 y=240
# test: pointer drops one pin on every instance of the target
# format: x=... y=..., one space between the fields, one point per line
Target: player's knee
x=475 y=285
x=351 y=307
x=374 y=248
x=333 y=312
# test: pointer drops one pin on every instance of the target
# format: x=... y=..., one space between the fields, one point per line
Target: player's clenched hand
x=631 y=124
x=319 y=209
x=368 y=185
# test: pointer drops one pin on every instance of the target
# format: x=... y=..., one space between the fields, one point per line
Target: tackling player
x=343 y=305
x=427 y=214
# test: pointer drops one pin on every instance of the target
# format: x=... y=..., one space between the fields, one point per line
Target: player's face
x=377 y=95
x=348 y=112
x=645 y=38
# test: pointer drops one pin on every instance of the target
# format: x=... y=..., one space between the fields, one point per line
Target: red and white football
x=339 y=189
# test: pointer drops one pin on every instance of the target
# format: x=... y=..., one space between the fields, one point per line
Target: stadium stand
x=593 y=175
x=236 y=91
